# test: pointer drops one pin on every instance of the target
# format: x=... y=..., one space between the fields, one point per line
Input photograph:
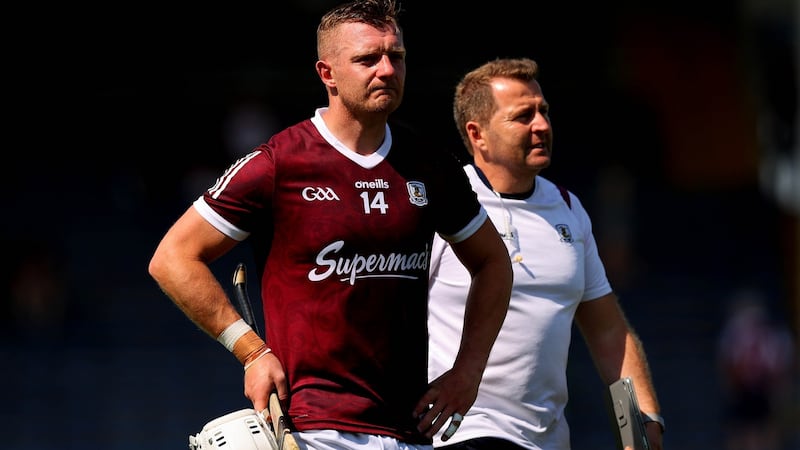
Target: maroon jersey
x=342 y=245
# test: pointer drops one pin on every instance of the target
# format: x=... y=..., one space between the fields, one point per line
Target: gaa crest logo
x=416 y=193
x=563 y=232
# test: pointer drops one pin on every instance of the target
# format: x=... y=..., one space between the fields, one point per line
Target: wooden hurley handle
x=283 y=434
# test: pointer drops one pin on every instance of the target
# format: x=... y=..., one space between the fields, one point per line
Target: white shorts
x=336 y=440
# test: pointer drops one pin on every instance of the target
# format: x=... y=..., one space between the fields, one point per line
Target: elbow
x=153 y=268
x=158 y=266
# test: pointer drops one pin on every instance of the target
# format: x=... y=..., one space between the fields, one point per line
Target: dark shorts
x=484 y=443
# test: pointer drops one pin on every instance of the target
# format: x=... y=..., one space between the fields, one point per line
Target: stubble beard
x=385 y=104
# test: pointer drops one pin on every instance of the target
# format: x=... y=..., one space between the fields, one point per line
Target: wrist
x=242 y=341
x=248 y=347
x=654 y=417
x=250 y=361
x=232 y=333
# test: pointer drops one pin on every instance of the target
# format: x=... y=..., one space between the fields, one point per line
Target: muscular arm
x=180 y=267
x=617 y=352
x=486 y=258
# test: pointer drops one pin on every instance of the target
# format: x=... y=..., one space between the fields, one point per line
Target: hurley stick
x=280 y=426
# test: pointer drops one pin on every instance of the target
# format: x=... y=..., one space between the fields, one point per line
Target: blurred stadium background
x=675 y=122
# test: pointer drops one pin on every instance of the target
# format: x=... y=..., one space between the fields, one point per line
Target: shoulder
x=550 y=194
x=556 y=191
x=302 y=130
x=411 y=145
x=404 y=130
x=295 y=140
x=407 y=138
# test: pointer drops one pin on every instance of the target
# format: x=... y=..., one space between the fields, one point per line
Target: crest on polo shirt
x=563 y=232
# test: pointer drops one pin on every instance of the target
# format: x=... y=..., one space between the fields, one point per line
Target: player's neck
x=361 y=135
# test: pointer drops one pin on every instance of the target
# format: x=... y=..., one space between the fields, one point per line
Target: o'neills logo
x=377 y=183
x=393 y=265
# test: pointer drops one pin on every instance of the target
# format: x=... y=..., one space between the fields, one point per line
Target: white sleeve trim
x=219 y=222
x=470 y=229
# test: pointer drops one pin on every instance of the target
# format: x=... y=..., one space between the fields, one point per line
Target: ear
x=325 y=74
x=475 y=134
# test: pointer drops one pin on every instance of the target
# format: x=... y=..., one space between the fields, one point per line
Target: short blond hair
x=377 y=13
x=473 y=99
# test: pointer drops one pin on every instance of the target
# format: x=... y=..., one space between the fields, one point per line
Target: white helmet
x=240 y=430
